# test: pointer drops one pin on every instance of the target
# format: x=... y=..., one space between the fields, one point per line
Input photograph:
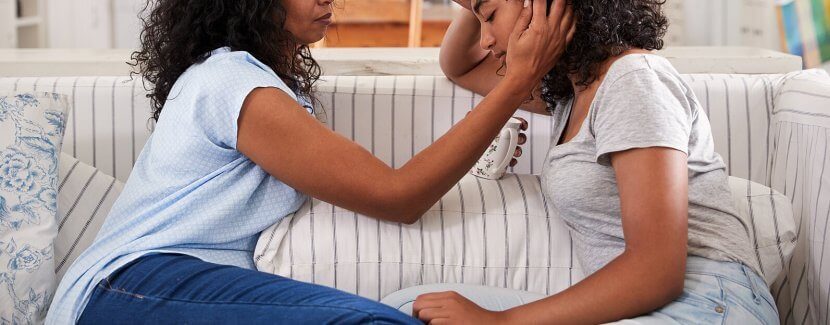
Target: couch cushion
x=85 y=198
x=769 y=215
x=800 y=163
x=496 y=233
x=31 y=131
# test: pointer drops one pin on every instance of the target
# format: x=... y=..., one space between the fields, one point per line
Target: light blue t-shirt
x=191 y=191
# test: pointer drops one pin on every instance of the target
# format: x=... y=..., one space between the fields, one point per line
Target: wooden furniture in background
x=388 y=23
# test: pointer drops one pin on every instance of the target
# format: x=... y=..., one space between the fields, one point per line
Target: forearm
x=465 y=63
x=459 y=148
x=460 y=49
x=629 y=286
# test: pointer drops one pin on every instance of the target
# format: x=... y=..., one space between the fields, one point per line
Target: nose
x=487 y=39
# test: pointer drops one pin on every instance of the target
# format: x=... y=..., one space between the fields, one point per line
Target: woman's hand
x=538 y=41
x=517 y=153
x=452 y=308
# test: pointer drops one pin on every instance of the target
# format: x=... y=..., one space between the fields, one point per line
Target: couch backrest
x=394 y=117
x=109 y=121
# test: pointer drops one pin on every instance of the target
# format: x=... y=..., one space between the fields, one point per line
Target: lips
x=325 y=19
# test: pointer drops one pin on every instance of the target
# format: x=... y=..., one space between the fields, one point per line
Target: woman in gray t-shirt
x=632 y=171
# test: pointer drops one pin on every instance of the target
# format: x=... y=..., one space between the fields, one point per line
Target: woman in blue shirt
x=236 y=148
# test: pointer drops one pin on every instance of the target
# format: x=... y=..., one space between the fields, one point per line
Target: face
x=307 y=20
x=497 y=18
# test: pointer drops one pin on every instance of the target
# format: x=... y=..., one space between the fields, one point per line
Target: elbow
x=402 y=214
x=671 y=285
x=448 y=66
x=449 y=73
x=666 y=274
x=401 y=205
x=410 y=219
x=409 y=212
x=673 y=291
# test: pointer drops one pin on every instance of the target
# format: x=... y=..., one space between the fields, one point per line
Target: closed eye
x=490 y=19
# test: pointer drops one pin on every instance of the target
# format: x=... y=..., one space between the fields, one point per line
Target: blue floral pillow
x=31 y=132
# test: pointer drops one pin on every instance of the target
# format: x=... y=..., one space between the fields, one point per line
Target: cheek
x=503 y=27
x=502 y=30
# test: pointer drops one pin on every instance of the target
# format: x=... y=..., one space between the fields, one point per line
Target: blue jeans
x=714 y=293
x=179 y=289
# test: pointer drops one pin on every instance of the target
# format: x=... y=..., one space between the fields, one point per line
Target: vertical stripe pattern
x=770 y=129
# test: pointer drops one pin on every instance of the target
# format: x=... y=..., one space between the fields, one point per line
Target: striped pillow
x=769 y=215
x=85 y=197
x=495 y=233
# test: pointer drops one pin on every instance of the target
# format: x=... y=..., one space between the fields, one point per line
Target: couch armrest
x=800 y=168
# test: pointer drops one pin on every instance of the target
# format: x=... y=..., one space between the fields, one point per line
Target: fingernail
x=527 y=3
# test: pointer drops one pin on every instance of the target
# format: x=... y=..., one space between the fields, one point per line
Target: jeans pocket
x=746 y=308
x=700 y=302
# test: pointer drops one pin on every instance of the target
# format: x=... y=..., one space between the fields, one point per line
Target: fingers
x=540 y=8
x=524 y=123
x=522 y=138
x=524 y=20
x=557 y=12
x=518 y=152
x=421 y=305
x=571 y=32
x=567 y=19
x=513 y=162
x=429 y=314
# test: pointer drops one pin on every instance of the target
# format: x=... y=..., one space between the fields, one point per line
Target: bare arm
x=288 y=143
x=291 y=145
x=464 y=61
x=653 y=186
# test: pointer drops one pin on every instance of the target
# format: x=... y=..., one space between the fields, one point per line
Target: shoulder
x=226 y=70
x=646 y=72
x=641 y=87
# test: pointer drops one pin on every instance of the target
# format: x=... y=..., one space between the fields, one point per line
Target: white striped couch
x=771 y=129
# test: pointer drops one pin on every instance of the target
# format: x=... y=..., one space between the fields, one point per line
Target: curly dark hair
x=604 y=29
x=180 y=33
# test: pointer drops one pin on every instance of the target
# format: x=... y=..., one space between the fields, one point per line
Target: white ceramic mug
x=493 y=164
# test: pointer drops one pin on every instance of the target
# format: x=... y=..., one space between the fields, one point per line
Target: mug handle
x=513 y=135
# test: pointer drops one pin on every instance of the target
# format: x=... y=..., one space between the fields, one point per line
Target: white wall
x=724 y=23
x=79 y=23
x=8 y=28
x=115 y=23
x=127 y=25
x=93 y=23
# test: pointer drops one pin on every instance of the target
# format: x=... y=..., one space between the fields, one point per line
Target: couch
x=771 y=129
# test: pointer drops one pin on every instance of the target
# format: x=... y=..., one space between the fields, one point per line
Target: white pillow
x=772 y=226
x=494 y=233
x=31 y=132
x=85 y=198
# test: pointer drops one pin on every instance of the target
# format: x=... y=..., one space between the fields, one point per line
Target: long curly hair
x=179 y=33
x=604 y=29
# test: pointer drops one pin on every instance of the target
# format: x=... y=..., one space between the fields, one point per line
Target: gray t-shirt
x=641 y=103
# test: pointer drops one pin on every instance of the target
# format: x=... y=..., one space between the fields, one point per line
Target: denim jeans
x=714 y=293
x=179 y=289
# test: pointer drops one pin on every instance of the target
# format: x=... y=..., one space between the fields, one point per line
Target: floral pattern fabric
x=31 y=131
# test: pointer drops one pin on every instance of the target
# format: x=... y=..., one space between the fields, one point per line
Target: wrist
x=518 y=85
